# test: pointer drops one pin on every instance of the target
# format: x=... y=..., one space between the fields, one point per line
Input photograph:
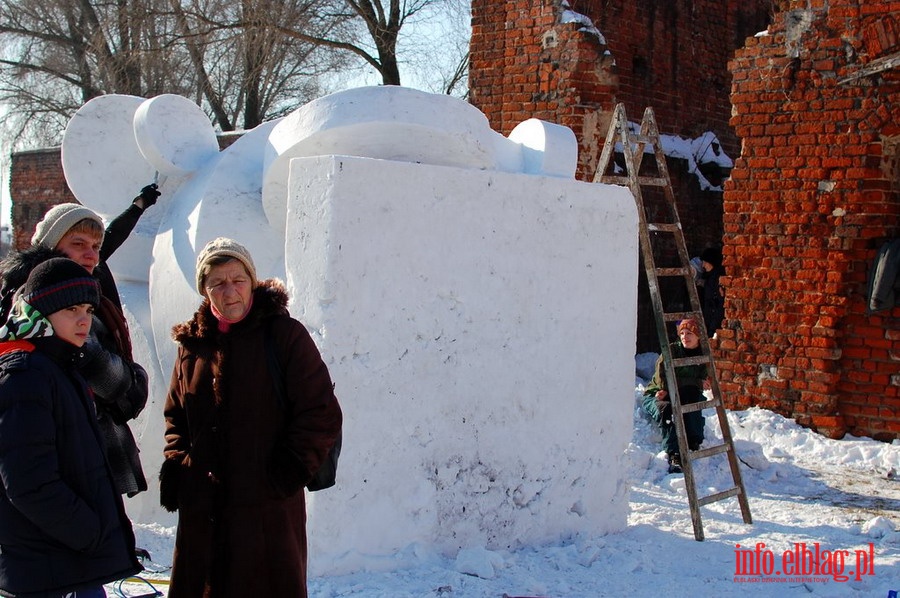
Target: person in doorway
x=236 y=457
x=119 y=385
x=63 y=527
x=712 y=298
x=692 y=380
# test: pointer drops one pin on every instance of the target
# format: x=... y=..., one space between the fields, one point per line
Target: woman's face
x=72 y=324
x=228 y=288
x=689 y=339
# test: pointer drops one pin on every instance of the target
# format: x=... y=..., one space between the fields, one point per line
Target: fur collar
x=270 y=299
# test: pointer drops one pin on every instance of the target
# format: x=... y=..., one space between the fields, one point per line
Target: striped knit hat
x=57 y=284
x=689 y=324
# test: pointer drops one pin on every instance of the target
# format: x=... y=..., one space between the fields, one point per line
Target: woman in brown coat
x=237 y=456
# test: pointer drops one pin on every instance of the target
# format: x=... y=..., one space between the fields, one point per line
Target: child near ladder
x=692 y=381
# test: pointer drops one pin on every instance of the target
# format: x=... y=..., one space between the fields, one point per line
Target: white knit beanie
x=223 y=247
x=57 y=222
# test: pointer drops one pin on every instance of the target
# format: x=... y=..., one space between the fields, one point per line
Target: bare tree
x=57 y=54
x=245 y=67
x=370 y=30
x=244 y=61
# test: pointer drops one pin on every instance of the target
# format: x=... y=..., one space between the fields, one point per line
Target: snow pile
x=804 y=490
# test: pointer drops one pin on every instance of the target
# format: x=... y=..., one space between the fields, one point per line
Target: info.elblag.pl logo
x=802 y=563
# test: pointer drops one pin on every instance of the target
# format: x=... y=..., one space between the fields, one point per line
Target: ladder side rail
x=609 y=145
x=728 y=439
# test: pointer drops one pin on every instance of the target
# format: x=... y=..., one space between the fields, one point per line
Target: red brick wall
x=36 y=184
x=810 y=201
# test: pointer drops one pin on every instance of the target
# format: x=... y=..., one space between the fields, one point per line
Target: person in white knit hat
x=119 y=385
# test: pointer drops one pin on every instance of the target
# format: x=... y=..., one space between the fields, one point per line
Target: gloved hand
x=147 y=196
x=169 y=478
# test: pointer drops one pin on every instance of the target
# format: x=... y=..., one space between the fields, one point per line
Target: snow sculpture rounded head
x=219 y=251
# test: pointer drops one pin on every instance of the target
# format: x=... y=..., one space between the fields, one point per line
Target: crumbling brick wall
x=810 y=201
x=570 y=62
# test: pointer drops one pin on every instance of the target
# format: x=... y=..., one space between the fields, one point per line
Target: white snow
x=804 y=490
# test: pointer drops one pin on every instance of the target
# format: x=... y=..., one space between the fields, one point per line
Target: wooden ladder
x=662 y=233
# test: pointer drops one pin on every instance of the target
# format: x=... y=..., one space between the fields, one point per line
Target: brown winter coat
x=237 y=460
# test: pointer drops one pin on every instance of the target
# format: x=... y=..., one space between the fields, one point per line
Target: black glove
x=169 y=478
x=148 y=195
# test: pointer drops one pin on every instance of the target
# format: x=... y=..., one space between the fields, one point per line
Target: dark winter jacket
x=120 y=389
x=117 y=232
x=687 y=375
x=236 y=459
x=120 y=386
x=62 y=523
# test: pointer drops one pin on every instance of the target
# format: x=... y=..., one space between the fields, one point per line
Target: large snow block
x=480 y=329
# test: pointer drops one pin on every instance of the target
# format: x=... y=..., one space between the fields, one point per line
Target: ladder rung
x=709 y=451
x=638 y=138
x=699 y=406
x=675 y=316
x=672 y=271
x=719 y=496
x=696 y=360
x=644 y=181
x=664 y=227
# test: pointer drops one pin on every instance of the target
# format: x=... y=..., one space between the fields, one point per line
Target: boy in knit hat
x=692 y=380
x=65 y=531
x=120 y=386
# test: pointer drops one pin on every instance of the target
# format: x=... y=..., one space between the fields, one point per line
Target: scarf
x=25 y=322
x=224 y=323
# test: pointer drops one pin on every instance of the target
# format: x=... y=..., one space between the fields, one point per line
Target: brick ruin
x=808 y=108
x=808 y=112
x=812 y=198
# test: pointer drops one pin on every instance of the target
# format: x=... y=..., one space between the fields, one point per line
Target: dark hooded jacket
x=62 y=522
x=237 y=458
x=119 y=385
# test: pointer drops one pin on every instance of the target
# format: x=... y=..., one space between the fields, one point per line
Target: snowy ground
x=803 y=489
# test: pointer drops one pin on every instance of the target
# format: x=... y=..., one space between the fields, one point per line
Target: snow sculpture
x=475 y=303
